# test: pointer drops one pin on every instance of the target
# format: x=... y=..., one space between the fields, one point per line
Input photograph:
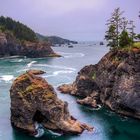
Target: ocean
x=108 y=125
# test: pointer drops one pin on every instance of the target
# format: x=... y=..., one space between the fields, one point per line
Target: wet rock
x=65 y=88
x=34 y=105
x=91 y=100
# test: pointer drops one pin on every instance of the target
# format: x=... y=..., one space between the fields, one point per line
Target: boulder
x=35 y=105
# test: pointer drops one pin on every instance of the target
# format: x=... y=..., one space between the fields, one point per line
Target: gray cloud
x=73 y=19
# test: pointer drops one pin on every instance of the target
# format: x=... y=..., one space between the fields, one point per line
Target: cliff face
x=9 y=46
x=114 y=82
x=37 y=49
x=35 y=103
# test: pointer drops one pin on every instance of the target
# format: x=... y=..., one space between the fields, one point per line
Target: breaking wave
x=31 y=63
x=6 y=78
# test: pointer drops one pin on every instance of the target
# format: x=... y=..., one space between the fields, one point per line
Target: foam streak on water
x=55 y=66
x=71 y=55
x=31 y=63
x=6 y=78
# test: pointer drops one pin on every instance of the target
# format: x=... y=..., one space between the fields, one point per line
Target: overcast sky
x=81 y=20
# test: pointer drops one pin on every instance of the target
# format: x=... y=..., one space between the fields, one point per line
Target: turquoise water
x=107 y=124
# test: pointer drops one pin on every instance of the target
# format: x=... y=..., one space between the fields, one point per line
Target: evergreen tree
x=114 y=22
x=124 y=24
x=20 y=31
x=111 y=36
x=125 y=40
x=131 y=30
x=138 y=37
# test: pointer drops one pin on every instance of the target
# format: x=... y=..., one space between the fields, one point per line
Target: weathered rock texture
x=10 y=46
x=114 y=82
x=34 y=100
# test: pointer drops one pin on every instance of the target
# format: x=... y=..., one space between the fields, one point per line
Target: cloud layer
x=73 y=19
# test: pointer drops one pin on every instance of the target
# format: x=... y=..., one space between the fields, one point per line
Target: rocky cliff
x=10 y=46
x=113 y=82
x=34 y=105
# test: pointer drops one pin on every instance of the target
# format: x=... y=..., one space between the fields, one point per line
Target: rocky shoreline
x=113 y=82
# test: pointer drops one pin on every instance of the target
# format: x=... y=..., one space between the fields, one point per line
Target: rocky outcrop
x=37 y=49
x=34 y=103
x=3 y=39
x=115 y=80
x=10 y=46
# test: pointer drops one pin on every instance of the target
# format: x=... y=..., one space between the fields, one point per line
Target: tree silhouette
x=20 y=31
x=114 y=26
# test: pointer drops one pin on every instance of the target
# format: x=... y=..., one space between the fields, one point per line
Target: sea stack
x=35 y=105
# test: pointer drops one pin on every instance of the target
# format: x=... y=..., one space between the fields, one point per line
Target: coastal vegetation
x=19 y=30
x=16 y=39
x=120 y=31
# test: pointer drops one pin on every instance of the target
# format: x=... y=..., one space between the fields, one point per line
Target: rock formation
x=10 y=46
x=114 y=82
x=34 y=104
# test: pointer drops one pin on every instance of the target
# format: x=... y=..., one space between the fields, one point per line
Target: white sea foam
x=22 y=70
x=56 y=73
x=54 y=133
x=31 y=63
x=71 y=55
x=62 y=72
x=6 y=78
x=55 y=66
x=39 y=129
x=91 y=108
x=20 y=60
x=17 y=60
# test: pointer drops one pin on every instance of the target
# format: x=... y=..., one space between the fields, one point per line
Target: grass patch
x=94 y=76
x=136 y=45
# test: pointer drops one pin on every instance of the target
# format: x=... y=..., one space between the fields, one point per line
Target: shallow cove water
x=108 y=125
